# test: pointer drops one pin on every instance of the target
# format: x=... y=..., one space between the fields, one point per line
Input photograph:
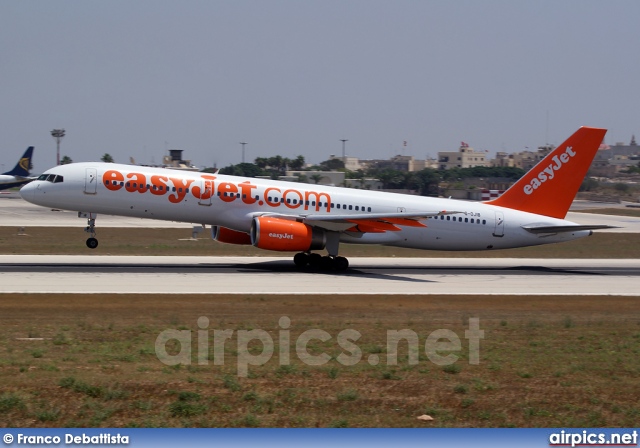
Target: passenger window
x=351 y=207
x=448 y=218
x=357 y=208
x=368 y=209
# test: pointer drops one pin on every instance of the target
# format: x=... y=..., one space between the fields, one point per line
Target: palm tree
x=65 y=160
x=107 y=158
x=316 y=178
x=297 y=163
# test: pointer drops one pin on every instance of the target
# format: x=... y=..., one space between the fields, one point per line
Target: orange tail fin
x=549 y=188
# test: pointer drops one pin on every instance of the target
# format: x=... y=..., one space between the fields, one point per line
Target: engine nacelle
x=284 y=235
x=224 y=235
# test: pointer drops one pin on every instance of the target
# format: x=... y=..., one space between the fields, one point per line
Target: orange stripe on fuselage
x=405 y=222
x=372 y=223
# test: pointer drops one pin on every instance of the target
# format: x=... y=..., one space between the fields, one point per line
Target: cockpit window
x=54 y=178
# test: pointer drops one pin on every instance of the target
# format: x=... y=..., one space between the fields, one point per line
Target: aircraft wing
x=563 y=229
x=364 y=222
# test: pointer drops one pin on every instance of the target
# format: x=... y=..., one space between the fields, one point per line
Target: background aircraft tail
x=549 y=187
x=24 y=165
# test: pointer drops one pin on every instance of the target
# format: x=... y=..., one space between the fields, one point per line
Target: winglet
x=549 y=187
x=23 y=166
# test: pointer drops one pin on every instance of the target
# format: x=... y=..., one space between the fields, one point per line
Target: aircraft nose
x=27 y=192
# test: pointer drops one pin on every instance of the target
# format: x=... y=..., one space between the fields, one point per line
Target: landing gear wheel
x=315 y=260
x=301 y=260
x=326 y=263
x=92 y=243
x=340 y=263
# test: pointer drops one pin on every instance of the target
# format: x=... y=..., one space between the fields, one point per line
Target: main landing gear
x=331 y=262
x=92 y=242
x=317 y=261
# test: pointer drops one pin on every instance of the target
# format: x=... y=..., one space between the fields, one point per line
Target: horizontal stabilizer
x=564 y=229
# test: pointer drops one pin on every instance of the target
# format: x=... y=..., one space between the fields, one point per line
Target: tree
x=242 y=169
x=316 y=177
x=297 y=163
x=332 y=165
x=107 y=158
x=65 y=160
x=275 y=162
x=429 y=181
x=262 y=162
x=391 y=178
x=589 y=184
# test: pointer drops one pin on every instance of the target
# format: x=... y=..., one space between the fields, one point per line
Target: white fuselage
x=9 y=181
x=233 y=202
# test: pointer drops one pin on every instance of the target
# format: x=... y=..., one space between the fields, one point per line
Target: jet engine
x=284 y=235
x=224 y=235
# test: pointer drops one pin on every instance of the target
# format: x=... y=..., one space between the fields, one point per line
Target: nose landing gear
x=92 y=242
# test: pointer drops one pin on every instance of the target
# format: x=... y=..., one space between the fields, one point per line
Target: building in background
x=465 y=157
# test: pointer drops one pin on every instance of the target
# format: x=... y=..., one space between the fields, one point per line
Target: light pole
x=58 y=134
x=343 y=140
x=243 y=143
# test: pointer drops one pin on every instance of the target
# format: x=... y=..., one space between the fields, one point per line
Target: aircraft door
x=499 y=229
x=91 y=181
x=206 y=191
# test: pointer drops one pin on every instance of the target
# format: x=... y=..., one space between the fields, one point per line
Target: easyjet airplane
x=286 y=216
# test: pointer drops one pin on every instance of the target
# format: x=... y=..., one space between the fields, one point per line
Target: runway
x=235 y=275
x=262 y=275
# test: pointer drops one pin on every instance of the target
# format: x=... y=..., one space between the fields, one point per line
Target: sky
x=294 y=77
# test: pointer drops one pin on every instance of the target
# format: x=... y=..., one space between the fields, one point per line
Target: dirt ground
x=74 y=360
